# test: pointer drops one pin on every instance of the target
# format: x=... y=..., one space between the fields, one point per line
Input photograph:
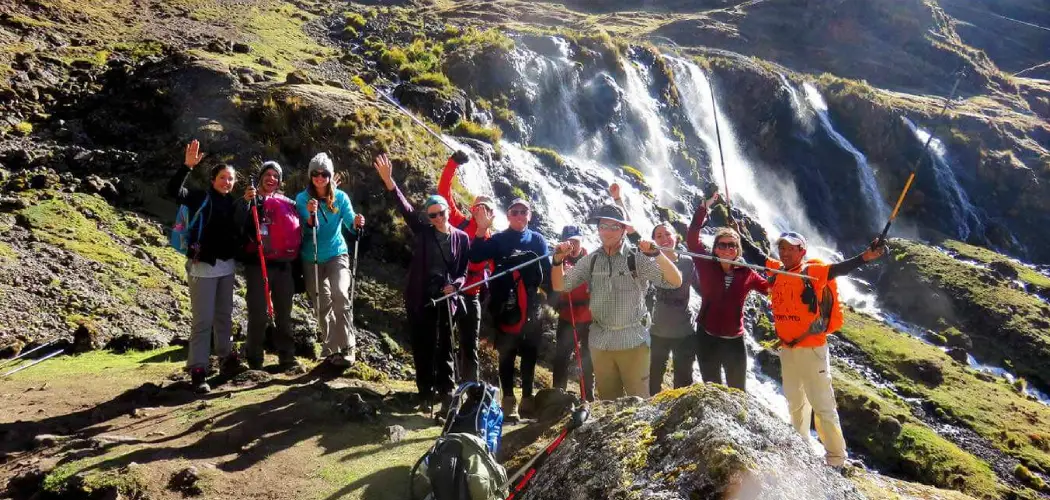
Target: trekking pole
x=735 y=263
x=262 y=257
x=317 y=281
x=576 y=347
x=14 y=360
x=526 y=473
x=718 y=138
x=417 y=120
x=486 y=280
x=915 y=166
x=34 y=363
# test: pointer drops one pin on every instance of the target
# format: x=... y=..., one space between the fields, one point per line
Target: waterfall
x=963 y=214
x=880 y=212
x=651 y=141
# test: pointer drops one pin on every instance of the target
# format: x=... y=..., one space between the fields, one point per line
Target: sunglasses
x=434 y=215
x=320 y=173
x=519 y=211
x=610 y=227
x=726 y=245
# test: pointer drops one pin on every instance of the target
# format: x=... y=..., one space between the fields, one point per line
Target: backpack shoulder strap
x=632 y=263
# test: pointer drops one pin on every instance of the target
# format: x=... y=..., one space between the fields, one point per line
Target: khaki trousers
x=620 y=373
x=806 y=373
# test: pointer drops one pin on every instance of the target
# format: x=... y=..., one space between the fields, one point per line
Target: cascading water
x=649 y=139
x=880 y=212
x=963 y=214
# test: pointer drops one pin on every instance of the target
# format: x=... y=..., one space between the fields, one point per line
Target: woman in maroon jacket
x=723 y=288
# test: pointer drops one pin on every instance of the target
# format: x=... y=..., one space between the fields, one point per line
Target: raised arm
x=847 y=266
x=177 y=185
x=351 y=220
x=455 y=217
x=385 y=170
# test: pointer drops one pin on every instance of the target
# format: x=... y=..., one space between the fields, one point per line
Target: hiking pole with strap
x=915 y=167
x=262 y=257
x=718 y=138
x=418 y=121
x=34 y=363
x=526 y=473
x=317 y=279
x=576 y=347
x=736 y=263
x=486 y=280
x=15 y=360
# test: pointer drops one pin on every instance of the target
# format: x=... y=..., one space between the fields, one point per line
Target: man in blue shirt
x=519 y=337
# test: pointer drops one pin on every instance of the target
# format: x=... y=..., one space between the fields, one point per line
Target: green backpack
x=458 y=467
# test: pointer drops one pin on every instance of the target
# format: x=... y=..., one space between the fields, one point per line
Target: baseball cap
x=519 y=201
x=484 y=200
x=570 y=232
x=792 y=238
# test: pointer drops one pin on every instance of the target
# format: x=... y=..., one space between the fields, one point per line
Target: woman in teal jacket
x=328 y=265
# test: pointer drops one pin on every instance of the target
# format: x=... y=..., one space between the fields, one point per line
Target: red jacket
x=476 y=271
x=580 y=298
x=722 y=310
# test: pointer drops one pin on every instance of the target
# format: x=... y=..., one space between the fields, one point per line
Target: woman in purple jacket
x=439 y=267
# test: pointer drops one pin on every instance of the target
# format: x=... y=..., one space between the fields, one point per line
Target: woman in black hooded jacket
x=210 y=266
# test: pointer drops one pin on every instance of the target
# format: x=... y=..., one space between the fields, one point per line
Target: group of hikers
x=459 y=263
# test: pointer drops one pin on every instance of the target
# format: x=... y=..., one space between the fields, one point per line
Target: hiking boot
x=255 y=364
x=232 y=366
x=340 y=360
x=199 y=381
x=446 y=405
x=510 y=409
x=527 y=407
x=291 y=367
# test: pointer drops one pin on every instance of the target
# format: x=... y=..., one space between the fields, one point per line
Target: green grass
x=364 y=87
x=278 y=36
x=476 y=40
x=134 y=366
x=432 y=79
x=1006 y=324
x=993 y=409
x=127 y=480
x=7 y=254
x=549 y=157
x=23 y=128
x=355 y=20
x=465 y=128
x=419 y=57
x=917 y=451
x=1024 y=273
x=389 y=464
x=61 y=222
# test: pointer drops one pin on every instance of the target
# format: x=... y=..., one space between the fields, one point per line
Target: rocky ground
x=98 y=100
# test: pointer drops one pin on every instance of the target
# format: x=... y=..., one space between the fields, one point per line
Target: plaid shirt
x=617 y=299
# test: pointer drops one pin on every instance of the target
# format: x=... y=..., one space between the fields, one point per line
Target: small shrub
x=355 y=20
x=476 y=131
x=366 y=88
x=24 y=128
x=432 y=79
x=475 y=39
x=350 y=32
x=1020 y=385
x=1026 y=476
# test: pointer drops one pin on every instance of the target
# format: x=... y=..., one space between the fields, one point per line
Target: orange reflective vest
x=804 y=308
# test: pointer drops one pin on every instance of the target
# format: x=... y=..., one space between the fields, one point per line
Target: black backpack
x=512 y=294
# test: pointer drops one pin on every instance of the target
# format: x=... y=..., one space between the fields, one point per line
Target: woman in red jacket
x=723 y=288
x=469 y=323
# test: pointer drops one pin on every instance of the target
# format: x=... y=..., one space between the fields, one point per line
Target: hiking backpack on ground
x=281 y=234
x=180 y=232
x=462 y=463
x=511 y=294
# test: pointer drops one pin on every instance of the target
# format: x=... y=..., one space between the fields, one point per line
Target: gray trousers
x=334 y=276
x=282 y=289
x=211 y=300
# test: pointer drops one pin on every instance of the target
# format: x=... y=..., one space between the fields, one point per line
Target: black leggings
x=717 y=353
x=681 y=349
x=563 y=356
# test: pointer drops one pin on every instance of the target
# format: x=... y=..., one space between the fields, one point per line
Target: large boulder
x=704 y=441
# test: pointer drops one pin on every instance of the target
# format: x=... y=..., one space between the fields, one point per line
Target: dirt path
x=282 y=438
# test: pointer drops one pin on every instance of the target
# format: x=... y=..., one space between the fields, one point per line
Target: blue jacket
x=330 y=241
x=504 y=243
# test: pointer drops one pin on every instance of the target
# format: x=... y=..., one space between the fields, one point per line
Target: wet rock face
x=700 y=442
x=443 y=109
